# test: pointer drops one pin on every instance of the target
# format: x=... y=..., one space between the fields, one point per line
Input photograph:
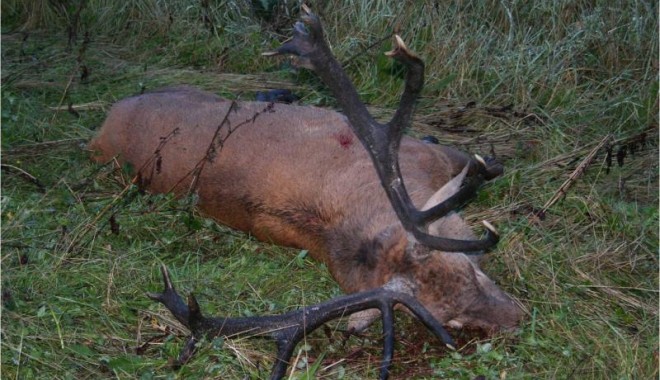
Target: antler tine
x=290 y=328
x=308 y=43
x=170 y=298
x=413 y=86
x=388 y=340
x=382 y=140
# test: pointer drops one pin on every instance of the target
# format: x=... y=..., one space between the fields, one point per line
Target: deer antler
x=287 y=330
x=382 y=140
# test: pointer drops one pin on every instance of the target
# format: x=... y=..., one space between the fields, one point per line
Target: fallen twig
x=90 y=106
x=40 y=148
x=363 y=51
x=23 y=174
x=561 y=192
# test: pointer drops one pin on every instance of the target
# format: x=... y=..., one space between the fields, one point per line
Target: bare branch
x=23 y=174
x=561 y=192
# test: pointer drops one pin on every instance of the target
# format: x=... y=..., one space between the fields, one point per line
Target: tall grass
x=540 y=84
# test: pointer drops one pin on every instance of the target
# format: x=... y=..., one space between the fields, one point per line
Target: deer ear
x=451 y=225
x=450 y=188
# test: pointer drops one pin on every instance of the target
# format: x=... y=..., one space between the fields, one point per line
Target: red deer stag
x=298 y=177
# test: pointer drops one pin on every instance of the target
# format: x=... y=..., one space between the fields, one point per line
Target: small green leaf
x=195 y=224
x=217 y=343
x=81 y=349
x=125 y=363
x=300 y=259
x=484 y=348
x=302 y=254
x=444 y=82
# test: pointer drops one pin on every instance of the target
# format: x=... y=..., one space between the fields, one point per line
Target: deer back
x=286 y=173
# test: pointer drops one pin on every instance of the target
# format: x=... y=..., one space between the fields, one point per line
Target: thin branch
x=512 y=23
x=561 y=192
x=41 y=146
x=23 y=174
x=350 y=60
x=212 y=150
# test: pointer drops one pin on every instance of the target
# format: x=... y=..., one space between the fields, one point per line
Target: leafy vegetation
x=538 y=83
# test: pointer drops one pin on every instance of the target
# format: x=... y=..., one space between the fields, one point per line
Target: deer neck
x=367 y=253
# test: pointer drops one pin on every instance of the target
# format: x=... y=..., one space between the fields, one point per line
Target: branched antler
x=288 y=329
x=382 y=140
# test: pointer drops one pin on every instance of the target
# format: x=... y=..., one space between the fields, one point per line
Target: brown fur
x=298 y=176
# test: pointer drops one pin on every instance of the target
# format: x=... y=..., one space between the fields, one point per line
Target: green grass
x=574 y=72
